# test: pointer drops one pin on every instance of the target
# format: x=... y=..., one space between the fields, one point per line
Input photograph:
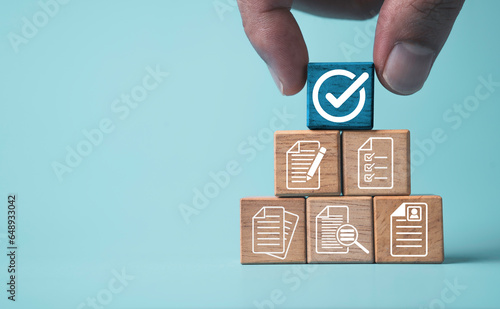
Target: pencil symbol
x=303 y=162
x=316 y=162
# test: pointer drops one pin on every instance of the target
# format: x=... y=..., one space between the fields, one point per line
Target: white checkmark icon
x=347 y=94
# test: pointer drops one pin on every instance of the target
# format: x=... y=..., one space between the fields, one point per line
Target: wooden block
x=340 y=95
x=307 y=163
x=273 y=230
x=408 y=229
x=333 y=226
x=376 y=162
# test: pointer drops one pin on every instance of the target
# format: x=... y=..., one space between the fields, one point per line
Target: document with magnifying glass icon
x=327 y=223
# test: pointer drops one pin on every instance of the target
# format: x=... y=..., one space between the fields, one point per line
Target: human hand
x=409 y=36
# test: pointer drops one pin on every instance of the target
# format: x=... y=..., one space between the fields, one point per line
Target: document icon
x=272 y=231
x=328 y=221
x=409 y=230
x=376 y=163
x=303 y=165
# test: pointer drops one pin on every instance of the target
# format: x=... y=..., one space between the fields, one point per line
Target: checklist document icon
x=376 y=163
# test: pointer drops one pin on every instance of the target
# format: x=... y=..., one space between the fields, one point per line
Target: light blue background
x=119 y=209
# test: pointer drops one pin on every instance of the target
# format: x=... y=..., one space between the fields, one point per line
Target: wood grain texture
x=432 y=227
x=294 y=209
x=360 y=213
x=356 y=166
x=336 y=86
x=326 y=180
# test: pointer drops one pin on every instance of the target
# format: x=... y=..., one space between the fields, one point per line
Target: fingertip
x=276 y=36
x=407 y=68
x=294 y=82
x=408 y=39
x=287 y=88
x=288 y=85
x=289 y=76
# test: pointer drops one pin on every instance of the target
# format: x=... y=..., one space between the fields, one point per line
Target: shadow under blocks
x=342 y=190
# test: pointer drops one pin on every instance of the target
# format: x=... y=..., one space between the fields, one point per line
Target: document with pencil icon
x=272 y=231
x=303 y=169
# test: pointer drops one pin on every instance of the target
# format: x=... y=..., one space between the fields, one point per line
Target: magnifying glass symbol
x=347 y=235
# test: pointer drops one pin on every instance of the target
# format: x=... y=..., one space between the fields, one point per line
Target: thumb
x=409 y=36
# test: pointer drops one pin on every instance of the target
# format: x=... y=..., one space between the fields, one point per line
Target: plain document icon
x=333 y=233
x=272 y=231
x=409 y=230
x=376 y=163
x=358 y=81
x=303 y=161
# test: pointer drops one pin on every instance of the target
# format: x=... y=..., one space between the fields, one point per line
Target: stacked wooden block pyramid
x=341 y=196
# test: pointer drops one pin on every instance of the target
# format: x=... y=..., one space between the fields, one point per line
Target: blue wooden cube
x=340 y=96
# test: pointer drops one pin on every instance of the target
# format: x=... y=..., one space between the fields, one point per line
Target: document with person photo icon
x=409 y=230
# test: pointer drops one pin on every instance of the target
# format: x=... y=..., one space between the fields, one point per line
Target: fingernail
x=276 y=79
x=408 y=66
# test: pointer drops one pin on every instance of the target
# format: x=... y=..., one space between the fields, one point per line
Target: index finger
x=276 y=36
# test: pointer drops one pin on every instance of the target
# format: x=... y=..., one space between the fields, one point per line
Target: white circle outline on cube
x=321 y=111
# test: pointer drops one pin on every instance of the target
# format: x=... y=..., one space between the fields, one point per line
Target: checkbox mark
x=369 y=156
x=369 y=177
x=348 y=93
x=369 y=167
